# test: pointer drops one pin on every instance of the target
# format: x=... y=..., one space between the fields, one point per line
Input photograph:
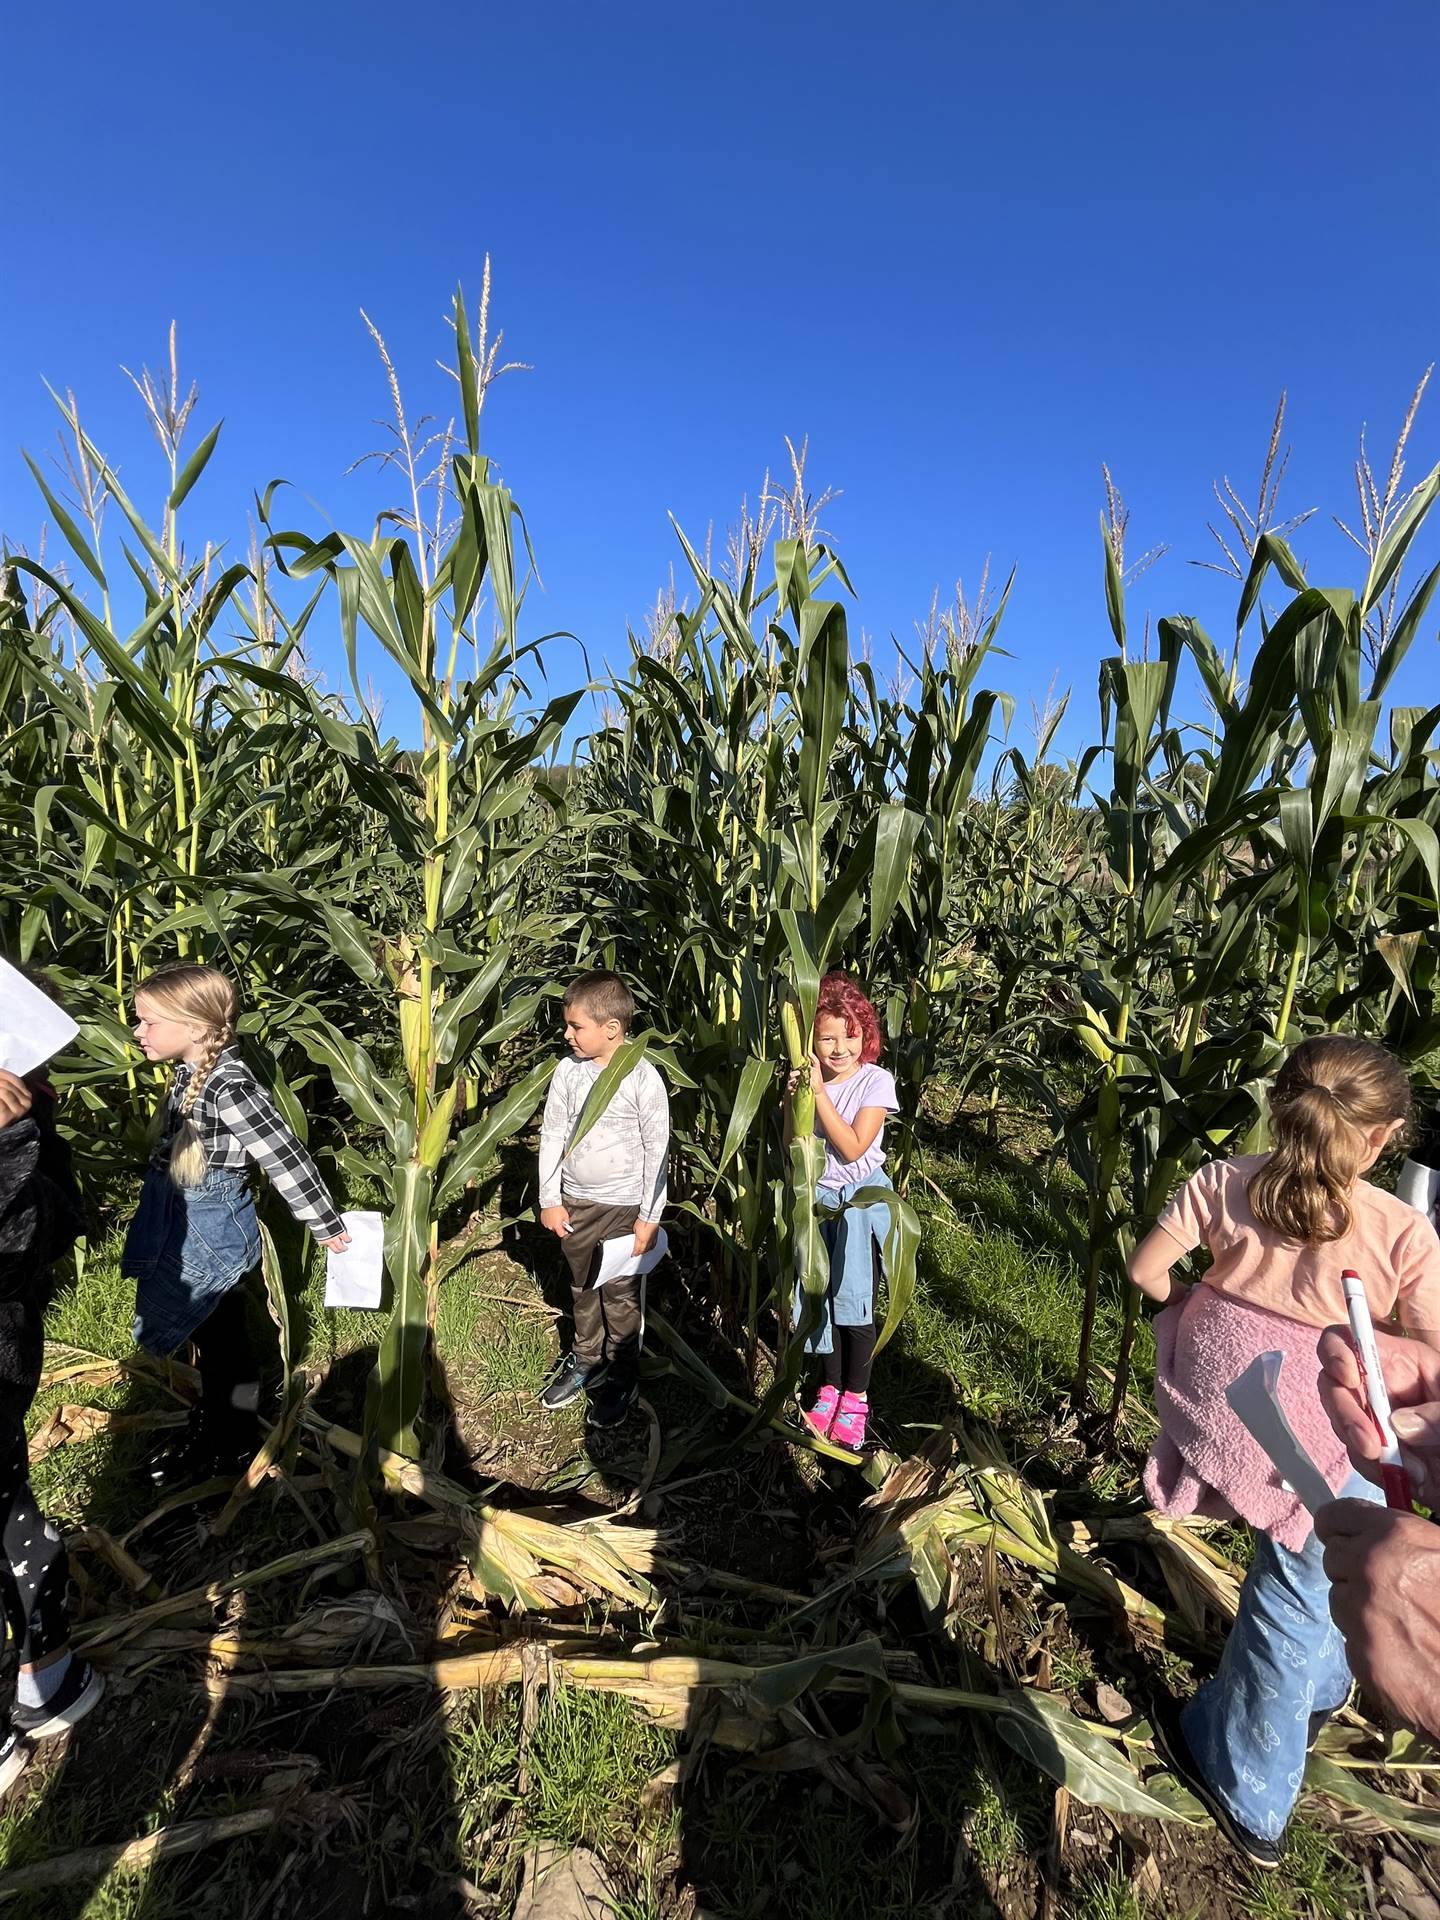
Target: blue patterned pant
x=1249 y=1728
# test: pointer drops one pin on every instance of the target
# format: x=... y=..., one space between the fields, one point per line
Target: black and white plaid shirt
x=237 y=1121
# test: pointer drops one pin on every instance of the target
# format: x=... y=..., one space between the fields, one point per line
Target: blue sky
x=971 y=250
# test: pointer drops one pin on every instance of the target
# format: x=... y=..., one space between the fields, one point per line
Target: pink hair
x=841 y=999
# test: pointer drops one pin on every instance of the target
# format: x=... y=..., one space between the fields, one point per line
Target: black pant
x=609 y=1320
x=227 y=1361
x=34 y=1566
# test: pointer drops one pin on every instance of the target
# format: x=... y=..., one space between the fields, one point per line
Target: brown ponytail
x=1327 y=1098
x=206 y=998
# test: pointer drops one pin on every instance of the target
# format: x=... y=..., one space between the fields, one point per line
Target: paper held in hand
x=352 y=1278
x=32 y=1027
x=1256 y=1404
x=618 y=1258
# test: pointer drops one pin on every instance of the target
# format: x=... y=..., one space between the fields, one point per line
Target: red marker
x=1393 y=1477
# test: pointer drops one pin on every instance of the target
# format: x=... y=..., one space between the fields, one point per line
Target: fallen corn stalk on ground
x=810 y=1688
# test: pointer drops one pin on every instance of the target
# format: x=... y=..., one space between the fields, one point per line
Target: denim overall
x=851 y=1238
x=187 y=1246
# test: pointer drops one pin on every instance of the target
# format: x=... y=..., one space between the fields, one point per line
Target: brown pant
x=608 y=1319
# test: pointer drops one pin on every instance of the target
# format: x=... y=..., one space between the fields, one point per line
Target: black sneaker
x=16 y=1753
x=230 y=1444
x=569 y=1381
x=76 y=1694
x=206 y=1449
x=177 y=1460
x=612 y=1404
x=1174 y=1750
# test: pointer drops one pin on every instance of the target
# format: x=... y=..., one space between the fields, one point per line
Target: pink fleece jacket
x=1205 y=1460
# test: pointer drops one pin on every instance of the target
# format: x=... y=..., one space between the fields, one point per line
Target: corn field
x=1118 y=942
x=1126 y=941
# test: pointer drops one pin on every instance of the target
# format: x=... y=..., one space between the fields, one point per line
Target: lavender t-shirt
x=868 y=1086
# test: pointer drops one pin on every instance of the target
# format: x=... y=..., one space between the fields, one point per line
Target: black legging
x=35 y=1568
x=852 y=1350
x=227 y=1360
x=847 y=1365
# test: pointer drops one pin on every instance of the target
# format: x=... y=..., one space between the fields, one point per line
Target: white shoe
x=76 y=1694
x=16 y=1753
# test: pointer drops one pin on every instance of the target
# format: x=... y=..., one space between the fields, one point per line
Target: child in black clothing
x=40 y=1219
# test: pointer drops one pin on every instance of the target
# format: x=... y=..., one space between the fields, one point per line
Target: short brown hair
x=604 y=996
x=1329 y=1094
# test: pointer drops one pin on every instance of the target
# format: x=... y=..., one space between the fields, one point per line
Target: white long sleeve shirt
x=621 y=1162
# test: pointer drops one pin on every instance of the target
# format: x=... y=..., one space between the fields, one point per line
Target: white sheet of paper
x=352 y=1278
x=1419 y=1187
x=32 y=1027
x=618 y=1259
x=1253 y=1399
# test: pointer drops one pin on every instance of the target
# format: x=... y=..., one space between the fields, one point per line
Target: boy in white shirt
x=614 y=1183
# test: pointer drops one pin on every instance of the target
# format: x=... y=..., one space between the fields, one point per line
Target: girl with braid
x=195 y=1237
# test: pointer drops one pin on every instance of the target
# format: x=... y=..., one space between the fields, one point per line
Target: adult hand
x=1384 y=1572
x=14 y=1098
x=555 y=1220
x=1412 y=1380
x=645 y=1235
x=338 y=1244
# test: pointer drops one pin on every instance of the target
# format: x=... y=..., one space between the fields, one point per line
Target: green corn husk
x=955 y=1496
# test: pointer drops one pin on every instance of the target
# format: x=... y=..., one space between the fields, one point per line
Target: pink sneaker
x=847 y=1429
x=819 y=1417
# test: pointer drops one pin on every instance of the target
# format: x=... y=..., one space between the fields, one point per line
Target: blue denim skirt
x=186 y=1247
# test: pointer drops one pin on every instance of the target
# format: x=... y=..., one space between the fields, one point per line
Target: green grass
x=997 y=1307
x=1107 y=1895
x=504 y=1348
x=38 y=1824
x=484 y=1759
x=1314 y=1878
x=997 y=1833
x=590 y=1754
x=1072 y=1668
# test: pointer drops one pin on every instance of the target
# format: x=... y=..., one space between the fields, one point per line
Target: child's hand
x=645 y=1235
x=555 y=1220
x=817 y=1078
x=14 y=1098
x=338 y=1244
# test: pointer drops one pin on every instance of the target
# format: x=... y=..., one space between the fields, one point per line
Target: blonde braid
x=208 y=1000
x=211 y=1049
x=188 y=1165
